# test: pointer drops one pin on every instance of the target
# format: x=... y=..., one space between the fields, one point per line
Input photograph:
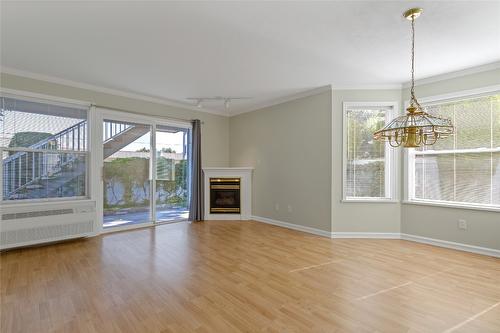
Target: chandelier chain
x=413 y=99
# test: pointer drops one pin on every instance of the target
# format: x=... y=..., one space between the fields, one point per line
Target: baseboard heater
x=23 y=225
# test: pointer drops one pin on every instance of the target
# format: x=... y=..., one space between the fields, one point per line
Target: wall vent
x=46 y=233
x=26 y=215
x=46 y=222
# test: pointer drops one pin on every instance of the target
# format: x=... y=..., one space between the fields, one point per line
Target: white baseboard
x=452 y=245
x=383 y=235
x=297 y=227
x=377 y=235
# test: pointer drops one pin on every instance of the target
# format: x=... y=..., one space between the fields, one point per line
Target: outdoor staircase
x=37 y=172
x=118 y=135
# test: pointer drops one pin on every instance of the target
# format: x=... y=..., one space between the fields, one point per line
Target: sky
x=163 y=140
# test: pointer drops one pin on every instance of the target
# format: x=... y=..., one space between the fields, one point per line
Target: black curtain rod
x=142 y=114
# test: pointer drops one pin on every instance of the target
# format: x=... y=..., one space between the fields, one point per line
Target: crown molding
x=454 y=74
x=283 y=99
x=110 y=91
x=397 y=86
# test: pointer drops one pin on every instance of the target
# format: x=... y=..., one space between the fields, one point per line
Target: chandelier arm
x=395 y=145
x=401 y=138
x=434 y=138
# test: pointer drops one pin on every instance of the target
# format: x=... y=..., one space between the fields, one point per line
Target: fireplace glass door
x=225 y=195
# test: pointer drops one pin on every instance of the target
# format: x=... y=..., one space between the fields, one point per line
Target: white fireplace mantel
x=245 y=174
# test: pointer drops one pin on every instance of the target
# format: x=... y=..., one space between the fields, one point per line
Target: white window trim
x=408 y=165
x=59 y=101
x=392 y=156
x=451 y=204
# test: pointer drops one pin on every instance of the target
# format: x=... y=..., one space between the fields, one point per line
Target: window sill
x=366 y=200
x=451 y=205
x=46 y=202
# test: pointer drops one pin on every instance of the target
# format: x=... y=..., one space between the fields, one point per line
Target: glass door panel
x=172 y=173
x=126 y=173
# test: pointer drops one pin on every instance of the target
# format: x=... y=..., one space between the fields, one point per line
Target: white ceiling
x=266 y=50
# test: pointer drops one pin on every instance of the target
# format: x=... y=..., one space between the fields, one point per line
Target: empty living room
x=250 y=166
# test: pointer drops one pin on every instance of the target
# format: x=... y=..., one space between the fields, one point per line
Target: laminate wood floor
x=246 y=277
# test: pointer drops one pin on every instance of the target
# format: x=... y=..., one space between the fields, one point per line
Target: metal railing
x=111 y=129
x=43 y=159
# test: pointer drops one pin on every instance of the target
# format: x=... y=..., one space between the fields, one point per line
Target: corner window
x=464 y=169
x=44 y=150
x=368 y=165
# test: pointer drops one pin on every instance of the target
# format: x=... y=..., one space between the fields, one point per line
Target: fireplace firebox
x=225 y=195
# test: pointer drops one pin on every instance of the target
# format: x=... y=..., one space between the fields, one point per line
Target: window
x=44 y=150
x=463 y=169
x=368 y=164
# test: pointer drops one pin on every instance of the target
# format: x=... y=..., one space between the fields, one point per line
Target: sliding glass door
x=172 y=173
x=126 y=173
x=145 y=172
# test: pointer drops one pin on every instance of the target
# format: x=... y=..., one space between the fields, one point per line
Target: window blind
x=366 y=167
x=464 y=168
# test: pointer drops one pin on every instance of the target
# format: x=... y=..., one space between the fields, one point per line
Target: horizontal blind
x=25 y=123
x=366 y=161
x=464 y=168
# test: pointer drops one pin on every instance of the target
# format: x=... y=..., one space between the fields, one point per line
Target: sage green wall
x=215 y=130
x=440 y=222
x=352 y=216
x=290 y=147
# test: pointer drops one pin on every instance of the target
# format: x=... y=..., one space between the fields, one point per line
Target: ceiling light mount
x=412 y=13
x=226 y=100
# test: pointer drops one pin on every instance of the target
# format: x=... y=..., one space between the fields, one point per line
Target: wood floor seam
x=472 y=318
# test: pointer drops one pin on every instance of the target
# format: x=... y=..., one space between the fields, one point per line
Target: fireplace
x=225 y=195
x=233 y=189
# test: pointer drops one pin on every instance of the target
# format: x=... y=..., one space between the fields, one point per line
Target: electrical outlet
x=289 y=208
x=276 y=206
x=462 y=224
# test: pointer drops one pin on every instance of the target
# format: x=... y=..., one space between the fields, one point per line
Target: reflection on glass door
x=172 y=173
x=126 y=173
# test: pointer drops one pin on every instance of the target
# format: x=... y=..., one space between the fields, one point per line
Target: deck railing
x=47 y=157
x=42 y=159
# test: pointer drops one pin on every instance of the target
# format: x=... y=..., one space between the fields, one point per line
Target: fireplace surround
x=228 y=193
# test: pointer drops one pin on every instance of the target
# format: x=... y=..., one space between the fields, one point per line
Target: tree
x=168 y=150
x=26 y=139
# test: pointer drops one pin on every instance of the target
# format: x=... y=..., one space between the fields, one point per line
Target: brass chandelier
x=417 y=127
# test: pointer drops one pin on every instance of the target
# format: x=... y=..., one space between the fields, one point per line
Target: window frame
x=391 y=155
x=409 y=154
x=58 y=101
